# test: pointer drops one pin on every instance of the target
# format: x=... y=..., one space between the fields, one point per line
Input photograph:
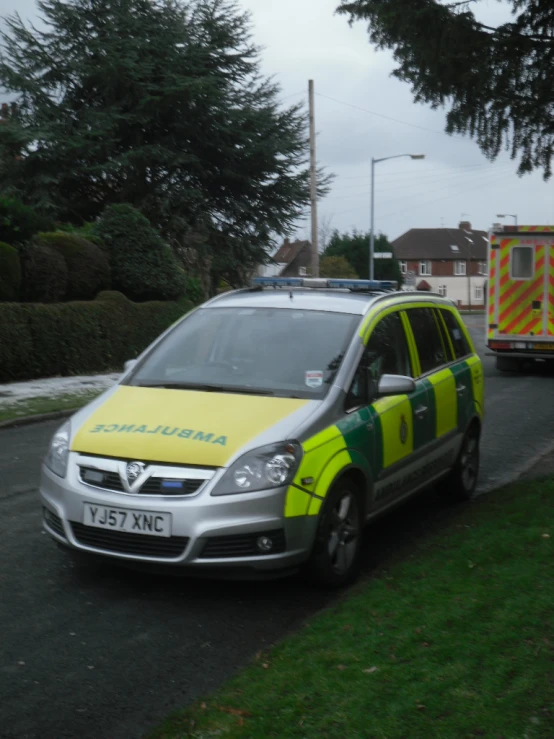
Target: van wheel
x=509 y=364
x=335 y=557
x=461 y=484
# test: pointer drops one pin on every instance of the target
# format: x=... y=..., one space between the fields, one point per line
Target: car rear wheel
x=461 y=484
x=335 y=557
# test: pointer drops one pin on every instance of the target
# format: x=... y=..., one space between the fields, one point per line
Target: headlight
x=56 y=459
x=261 y=469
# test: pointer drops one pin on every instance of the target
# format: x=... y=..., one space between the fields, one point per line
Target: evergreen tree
x=159 y=104
x=497 y=80
x=354 y=248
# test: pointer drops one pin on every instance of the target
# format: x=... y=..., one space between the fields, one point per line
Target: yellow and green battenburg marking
x=332 y=450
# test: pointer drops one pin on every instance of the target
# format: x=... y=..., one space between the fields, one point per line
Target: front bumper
x=209 y=534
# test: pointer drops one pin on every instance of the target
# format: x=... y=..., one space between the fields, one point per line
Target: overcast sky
x=356 y=100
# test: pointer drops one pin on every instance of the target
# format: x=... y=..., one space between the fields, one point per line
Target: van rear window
x=523 y=262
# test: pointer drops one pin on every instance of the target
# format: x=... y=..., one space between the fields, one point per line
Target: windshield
x=290 y=353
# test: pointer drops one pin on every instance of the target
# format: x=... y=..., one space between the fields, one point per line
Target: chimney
x=465 y=225
x=287 y=242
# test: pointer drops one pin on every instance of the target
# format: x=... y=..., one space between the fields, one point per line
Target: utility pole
x=469 y=280
x=313 y=183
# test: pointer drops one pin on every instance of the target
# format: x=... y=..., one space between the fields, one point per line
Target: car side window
x=428 y=339
x=457 y=336
x=386 y=353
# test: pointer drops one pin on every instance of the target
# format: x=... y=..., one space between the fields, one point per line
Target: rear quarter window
x=456 y=333
x=428 y=339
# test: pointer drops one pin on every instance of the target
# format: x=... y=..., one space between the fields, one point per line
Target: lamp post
x=372 y=234
x=508 y=215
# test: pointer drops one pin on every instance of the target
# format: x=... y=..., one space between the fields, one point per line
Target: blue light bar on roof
x=364 y=284
x=325 y=283
x=278 y=281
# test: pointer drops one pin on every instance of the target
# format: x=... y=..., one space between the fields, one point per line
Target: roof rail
x=323 y=282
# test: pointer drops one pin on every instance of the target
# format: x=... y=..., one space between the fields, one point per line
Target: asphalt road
x=107 y=653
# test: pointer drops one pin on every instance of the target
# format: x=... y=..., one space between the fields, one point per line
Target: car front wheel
x=335 y=556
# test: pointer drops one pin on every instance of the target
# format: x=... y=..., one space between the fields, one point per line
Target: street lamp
x=372 y=234
x=507 y=215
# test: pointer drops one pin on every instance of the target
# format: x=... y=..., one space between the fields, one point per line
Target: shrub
x=87 y=265
x=337 y=267
x=193 y=290
x=43 y=274
x=10 y=273
x=143 y=265
x=19 y=222
x=79 y=337
x=87 y=231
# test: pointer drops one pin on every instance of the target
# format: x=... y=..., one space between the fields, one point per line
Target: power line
x=436 y=200
x=430 y=202
x=389 y=118
x=452 y=179
x=295 y=94
x=409 y=171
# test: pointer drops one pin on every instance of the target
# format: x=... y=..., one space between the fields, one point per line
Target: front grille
x=108 y=481
x=53 y=521
x=242 y=545
x=152 y=486
x=164 y=486
x=124 y=543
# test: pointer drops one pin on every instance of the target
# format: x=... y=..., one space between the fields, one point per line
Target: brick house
x=293 y=259
x=448 y=261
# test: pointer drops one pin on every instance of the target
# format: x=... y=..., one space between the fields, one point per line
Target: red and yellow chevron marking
x=532 y=229
x=492 y=290
x=516 y=315
x=551 y=292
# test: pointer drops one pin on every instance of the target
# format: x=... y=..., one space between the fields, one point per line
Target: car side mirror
x=395 y=385
x=129 y=364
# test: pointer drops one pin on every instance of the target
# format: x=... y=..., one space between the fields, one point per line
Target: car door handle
x=461 y=389
x=421 y=411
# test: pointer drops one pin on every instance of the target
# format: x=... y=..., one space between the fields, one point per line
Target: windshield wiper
x=244 y=390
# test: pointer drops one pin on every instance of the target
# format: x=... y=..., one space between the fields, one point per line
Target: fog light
x=264 y=544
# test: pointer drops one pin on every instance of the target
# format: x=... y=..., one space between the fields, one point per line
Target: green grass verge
x=456 y=641
x=37 y=406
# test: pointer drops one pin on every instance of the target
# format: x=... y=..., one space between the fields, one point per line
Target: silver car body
x=222 y=533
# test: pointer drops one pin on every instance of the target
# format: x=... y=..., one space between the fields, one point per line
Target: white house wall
x=456 y=287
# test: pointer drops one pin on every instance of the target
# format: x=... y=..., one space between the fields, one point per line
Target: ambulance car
x=261 y=432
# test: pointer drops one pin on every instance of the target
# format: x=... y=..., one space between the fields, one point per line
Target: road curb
x=535 y=462
x=37 y=418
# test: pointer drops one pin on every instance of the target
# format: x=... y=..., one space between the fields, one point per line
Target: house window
x=302 y=271
x=459 y=268
x=425 y=268
x=523 y=263
x=404 y=267
x=442 y=290
x=483 y=268
x=478 y=292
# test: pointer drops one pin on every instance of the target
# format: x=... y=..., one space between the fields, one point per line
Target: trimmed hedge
x=87 y=264
x=143 y=265
x=80 y=337
x=10 y=273
x=44 y=274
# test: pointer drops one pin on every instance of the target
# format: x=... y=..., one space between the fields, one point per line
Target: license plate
x=127 y=520
x=544 y=347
